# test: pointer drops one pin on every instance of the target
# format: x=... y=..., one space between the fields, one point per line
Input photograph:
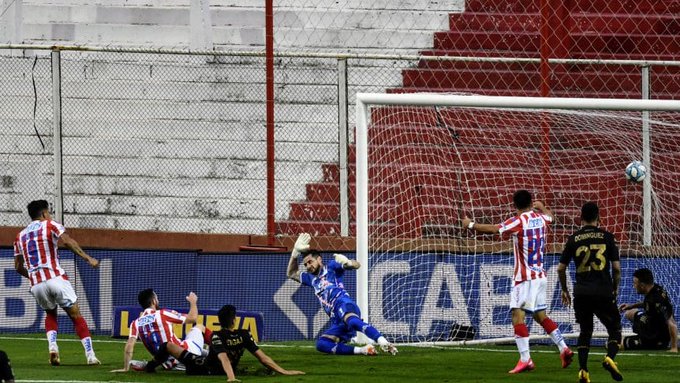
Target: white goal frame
x=365 y=100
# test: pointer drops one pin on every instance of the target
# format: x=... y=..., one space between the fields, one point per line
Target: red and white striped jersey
x=154 y=327
x=37 y=245
x=529 y=235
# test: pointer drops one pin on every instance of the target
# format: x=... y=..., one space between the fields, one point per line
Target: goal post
x=424 y=160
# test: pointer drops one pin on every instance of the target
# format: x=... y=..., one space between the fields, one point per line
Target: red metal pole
x=545 y=30
x=546 y=39
x=269 y=63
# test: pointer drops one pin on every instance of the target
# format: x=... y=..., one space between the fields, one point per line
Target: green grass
x=413 y=364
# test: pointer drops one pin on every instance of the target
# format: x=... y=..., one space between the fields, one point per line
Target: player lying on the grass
x=36 y=258
x=226 y=349
x=328 y=286
x=528 y=229
x=594 y=253
x=654 y=324
x=154 y=328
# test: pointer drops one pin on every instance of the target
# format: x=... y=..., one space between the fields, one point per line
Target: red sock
x=207 y=335
x=51 y=321
x=521 y=330
x=548 y=325
x=81 y=327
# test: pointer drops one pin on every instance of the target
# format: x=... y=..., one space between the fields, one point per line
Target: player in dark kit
x=6 y=374
x=654 y=325
x=595 y=253
x=226 y=349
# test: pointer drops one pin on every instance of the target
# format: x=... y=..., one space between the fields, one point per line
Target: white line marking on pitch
x=457 y=348
x=71 y=381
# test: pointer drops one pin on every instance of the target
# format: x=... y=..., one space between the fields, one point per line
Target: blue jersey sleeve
x=336 y=267
x=306 y=278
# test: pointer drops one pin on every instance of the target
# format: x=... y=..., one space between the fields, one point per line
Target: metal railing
x=172 y=140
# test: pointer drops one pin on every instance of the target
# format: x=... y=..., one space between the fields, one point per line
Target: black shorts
x=585 y=306
x=636 y=342
x=647 y=335
x=206 y=367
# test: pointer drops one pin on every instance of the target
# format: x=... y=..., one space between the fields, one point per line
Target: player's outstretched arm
x=76 y=249
x=301 y=246
x=127 y=356
x=269 y=363
x=192 y=315
x=293 y=271
x=467 y=223
x=616 y=277
x=226 y=366
x=562 y=274
x=627 y=306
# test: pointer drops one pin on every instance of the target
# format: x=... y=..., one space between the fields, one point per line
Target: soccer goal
x=423 y=161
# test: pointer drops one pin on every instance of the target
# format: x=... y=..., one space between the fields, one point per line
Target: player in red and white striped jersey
x=528 y=229
x=154 y=329
x=36 y=258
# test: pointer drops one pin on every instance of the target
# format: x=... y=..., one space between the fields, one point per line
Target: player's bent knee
x=73 y=311
x=325 y=345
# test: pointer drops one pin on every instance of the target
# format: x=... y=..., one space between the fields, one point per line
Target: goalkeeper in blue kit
x=336 y=302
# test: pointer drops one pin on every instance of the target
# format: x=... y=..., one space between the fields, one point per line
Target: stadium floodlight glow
x=424 y=160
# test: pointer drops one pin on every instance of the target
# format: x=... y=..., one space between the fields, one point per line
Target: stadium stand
x=590 y=30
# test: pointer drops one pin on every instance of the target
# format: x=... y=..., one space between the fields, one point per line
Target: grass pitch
x=28 y=354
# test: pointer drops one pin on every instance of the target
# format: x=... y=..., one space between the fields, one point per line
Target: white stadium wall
x=177 y=143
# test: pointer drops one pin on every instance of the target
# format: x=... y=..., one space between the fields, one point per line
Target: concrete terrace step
x=625 y=7
x=661 y=24
x=656 y=70
x=527 y=134
x=645 y=44
x=483 y=176
x=472 y=53
x=574 y=55
x=455 y=133
x=618 y=6
x=168 y=110
x=511 y=6
x=580 y=81
x=482 y=40
x=494 y=22
x=294 y=227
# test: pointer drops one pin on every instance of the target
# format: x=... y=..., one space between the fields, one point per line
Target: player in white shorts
x=36 y=258
x=154 y=329
x=528 y=229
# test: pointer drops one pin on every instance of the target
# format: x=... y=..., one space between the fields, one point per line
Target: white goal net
x=424 y=161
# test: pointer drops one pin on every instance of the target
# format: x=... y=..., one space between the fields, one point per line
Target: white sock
x=523 y=347
x=52 y=341
x=382 y=341
x=558 y=339
x=359 y=350
x=87 y=345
